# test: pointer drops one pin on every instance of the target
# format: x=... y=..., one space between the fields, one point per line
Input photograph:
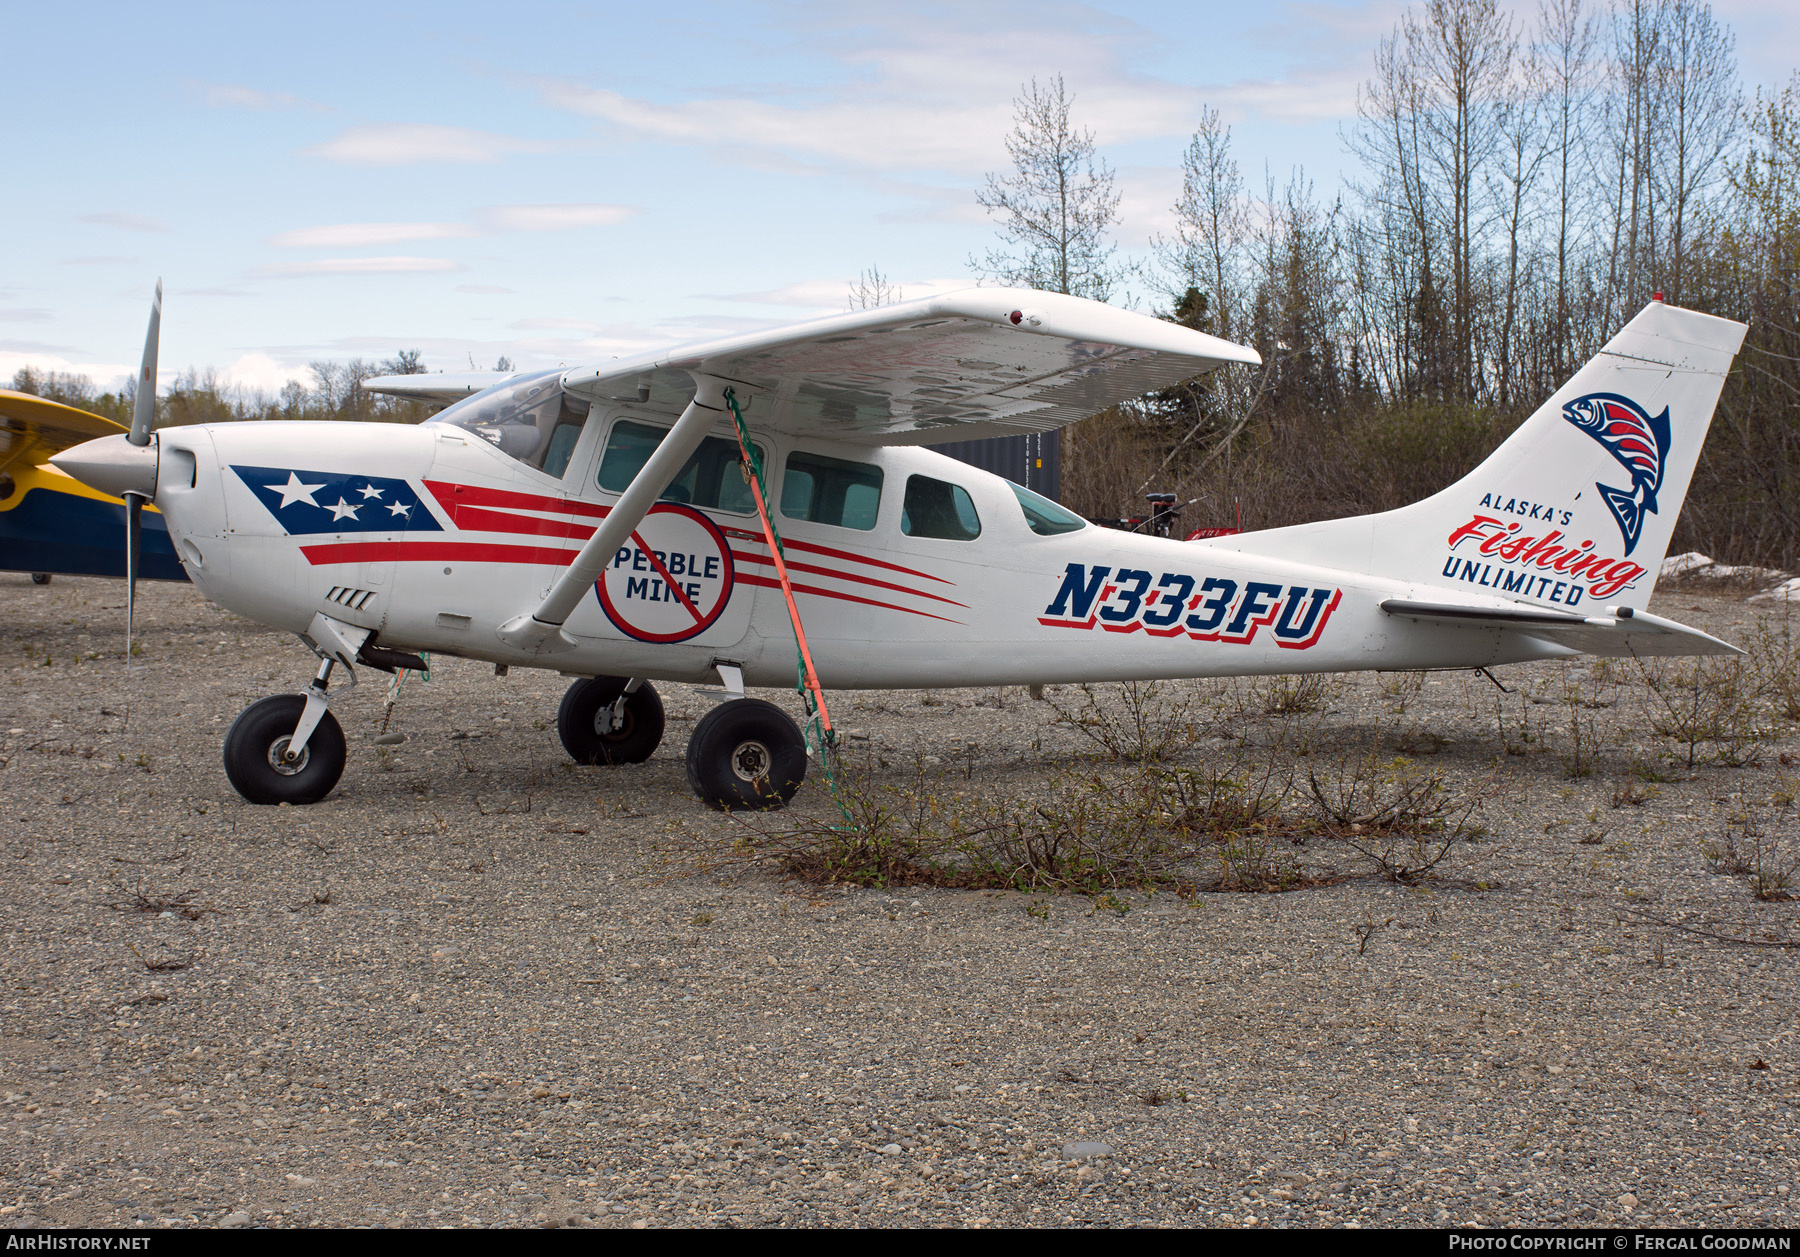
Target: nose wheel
x=746 y=754
x=260 y=762
x=610 y=720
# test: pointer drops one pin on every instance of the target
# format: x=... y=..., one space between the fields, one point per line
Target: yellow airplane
x=51 y=523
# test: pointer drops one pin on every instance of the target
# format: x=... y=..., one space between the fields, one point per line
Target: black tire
x=40 y=578
x=260 y=735
x=746 y=753
x=584 y=705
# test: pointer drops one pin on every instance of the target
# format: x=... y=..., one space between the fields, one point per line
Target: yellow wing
x=34 y=428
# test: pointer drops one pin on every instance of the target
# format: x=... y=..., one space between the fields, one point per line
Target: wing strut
x=541 y=631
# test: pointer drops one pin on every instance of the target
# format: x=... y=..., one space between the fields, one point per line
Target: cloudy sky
x=563 y=183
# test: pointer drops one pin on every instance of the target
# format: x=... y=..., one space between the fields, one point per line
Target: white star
x=403 y=511
x=370 y=491
x=341 y=510
x=293 y=491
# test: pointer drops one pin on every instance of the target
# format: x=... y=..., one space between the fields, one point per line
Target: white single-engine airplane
x=605 y=523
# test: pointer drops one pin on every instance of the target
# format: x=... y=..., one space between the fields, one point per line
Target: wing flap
x=1625 y=633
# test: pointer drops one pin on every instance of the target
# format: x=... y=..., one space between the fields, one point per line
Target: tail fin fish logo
x=1641 y=444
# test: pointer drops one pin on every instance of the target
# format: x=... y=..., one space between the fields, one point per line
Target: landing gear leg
x=288 y=748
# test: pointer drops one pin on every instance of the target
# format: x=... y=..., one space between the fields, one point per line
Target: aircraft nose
x=111 y=464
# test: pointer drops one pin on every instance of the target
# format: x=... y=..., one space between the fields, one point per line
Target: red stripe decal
x=746 y=557
x=766 y=583
x=475 y=519
x=456 y=496
x=435 y=552
x=811 y=548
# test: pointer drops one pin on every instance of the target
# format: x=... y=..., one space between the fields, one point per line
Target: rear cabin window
x=833 y=491
x=937 y=508
x=710 y=478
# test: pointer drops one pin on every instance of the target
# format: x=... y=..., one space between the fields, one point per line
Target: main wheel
x=585 y=719
x=746 y=753
x=258 y=741
x=40 y=578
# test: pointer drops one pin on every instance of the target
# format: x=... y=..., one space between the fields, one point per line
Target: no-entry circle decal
x=672 y=577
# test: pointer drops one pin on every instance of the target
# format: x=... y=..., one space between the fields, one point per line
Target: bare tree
x=1697 y=84
x=1058 y=205
x=1564 y=57
x=1205 y=254
x=1519 y=121
x=871 y=289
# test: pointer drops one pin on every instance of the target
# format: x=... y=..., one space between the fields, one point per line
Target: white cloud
x=486 y=290
x=831 y=295
x=356 y=235
x=25 y=315
x=236 y=96
x=554 y=217
x=126 y=222
x=361 y=266
x=558 y=324
x=260 y=371
x=405 y=144
x=105 y=375
x=914 y=93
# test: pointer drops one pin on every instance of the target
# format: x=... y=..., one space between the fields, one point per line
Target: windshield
x=528 y=417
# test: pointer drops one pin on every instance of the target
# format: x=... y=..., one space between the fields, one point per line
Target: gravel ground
x=479 y=985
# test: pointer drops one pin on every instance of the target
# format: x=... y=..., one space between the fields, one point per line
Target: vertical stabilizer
x=1575 y=509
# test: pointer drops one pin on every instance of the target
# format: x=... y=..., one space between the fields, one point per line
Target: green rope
x=820 y=741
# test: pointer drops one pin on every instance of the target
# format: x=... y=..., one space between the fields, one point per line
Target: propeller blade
x=134 y=533
x=143 y=413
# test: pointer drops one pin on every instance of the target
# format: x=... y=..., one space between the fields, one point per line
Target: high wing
x=1627 y=632
x=33 y=428
x=976 y=363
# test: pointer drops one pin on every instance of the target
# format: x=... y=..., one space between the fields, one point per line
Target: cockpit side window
x=529 y=418
x=834 y=491
x=710 y=477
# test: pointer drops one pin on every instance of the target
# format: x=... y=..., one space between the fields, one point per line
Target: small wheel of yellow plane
x=619 y=524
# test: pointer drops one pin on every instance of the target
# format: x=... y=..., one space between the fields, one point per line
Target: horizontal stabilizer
x=1624 y=632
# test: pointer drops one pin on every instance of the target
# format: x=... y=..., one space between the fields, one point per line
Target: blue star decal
x=305 y=502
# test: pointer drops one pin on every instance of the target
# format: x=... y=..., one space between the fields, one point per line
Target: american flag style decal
x=482 y=524
x=306 y=502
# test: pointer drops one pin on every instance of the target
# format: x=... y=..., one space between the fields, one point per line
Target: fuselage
x=433 y=537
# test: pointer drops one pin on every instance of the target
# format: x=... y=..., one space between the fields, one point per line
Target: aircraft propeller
x=143 y=415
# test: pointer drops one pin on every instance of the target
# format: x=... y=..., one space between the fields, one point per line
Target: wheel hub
x=750 y=761
x=279 y=761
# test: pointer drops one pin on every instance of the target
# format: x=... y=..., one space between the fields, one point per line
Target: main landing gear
x=610 y=720
x=744 y=753
x=288 y=748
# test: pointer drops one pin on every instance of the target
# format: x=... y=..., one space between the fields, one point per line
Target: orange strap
x=787 y=588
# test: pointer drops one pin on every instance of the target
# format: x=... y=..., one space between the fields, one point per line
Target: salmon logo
x=1638 y=441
